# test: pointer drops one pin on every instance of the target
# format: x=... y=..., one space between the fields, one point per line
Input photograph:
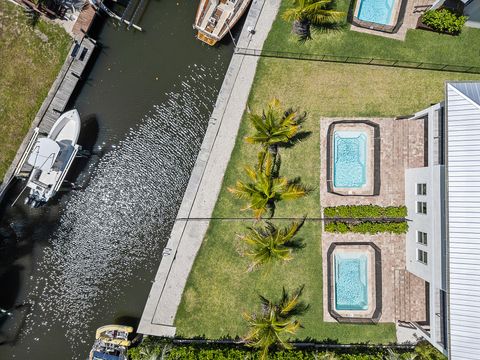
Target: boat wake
x=112 y=233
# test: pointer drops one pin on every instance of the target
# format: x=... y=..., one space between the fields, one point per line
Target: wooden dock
x=63 y=87
x=84 y=21
x=56 y=100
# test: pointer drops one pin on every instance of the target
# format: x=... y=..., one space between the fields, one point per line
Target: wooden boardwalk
x=67 y=80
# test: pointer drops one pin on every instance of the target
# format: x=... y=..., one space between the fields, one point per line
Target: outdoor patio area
x=408 y=17
x=402 y=293
x=400 y=145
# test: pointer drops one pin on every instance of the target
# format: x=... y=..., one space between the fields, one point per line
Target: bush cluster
x=198 y=353
x=444 y=21
x=366 y=227
x=365 y=211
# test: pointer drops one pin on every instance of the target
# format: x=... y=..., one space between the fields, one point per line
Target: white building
x=443 y=240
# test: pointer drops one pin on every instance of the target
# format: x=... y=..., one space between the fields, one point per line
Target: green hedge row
x=194 y=353
x=365 y=211
x=153 y=348
x=367 y=227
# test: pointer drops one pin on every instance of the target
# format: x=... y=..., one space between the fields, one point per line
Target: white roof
x=463 y=179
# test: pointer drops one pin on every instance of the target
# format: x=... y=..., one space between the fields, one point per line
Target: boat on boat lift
x=111 y=343
x=50 y=158
x=215 y=18
x=131 y=12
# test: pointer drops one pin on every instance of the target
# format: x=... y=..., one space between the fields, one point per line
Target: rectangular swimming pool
x=349 y=166
x=376 y=11
x=351 y=281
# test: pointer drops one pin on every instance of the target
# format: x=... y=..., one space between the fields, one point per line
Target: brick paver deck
x=401 y=147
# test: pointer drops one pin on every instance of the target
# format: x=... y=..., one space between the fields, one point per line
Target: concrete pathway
x=207 y=176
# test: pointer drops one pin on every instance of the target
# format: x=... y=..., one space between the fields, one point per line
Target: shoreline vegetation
x=220 y=287
x=30 y=59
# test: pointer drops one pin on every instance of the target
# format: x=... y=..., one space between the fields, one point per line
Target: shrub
x=366 y=227
x=238 y=353
x=444 y=21
x=365 y=211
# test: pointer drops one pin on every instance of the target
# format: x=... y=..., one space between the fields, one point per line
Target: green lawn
x=419 y=45
x=28 y=67
x=219 y=289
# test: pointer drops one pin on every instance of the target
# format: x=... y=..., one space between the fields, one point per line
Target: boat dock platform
x=56 y=101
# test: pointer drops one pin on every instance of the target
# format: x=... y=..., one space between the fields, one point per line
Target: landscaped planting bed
x=365 y=211
x=366 y=227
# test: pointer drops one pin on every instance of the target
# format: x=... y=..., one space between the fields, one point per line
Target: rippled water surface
x=89 y=257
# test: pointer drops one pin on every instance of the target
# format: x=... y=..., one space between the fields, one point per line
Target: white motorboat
x=51 y=158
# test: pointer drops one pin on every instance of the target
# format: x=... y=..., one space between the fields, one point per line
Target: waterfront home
x=443 y=201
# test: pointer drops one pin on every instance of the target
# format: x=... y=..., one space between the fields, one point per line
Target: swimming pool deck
x=205 y=182
x=401 y=147
x=413 y=10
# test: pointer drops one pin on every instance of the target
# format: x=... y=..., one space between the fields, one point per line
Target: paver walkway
x=206 y=179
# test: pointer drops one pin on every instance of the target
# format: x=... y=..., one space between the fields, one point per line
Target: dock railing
x=359 y=60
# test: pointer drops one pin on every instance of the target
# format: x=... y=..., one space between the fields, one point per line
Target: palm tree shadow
x=303 y=135
x=329 y=28
x=296 y=244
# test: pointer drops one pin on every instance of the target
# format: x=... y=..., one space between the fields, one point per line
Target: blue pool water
x=351 y=289
x=376 y=11
x=349 y=168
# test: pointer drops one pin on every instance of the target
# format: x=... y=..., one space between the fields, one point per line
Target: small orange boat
x=217 y=17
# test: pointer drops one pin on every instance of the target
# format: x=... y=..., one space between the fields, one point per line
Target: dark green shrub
x=366 y=227
x=177 y=352
x=365 y=211
x=444 y=21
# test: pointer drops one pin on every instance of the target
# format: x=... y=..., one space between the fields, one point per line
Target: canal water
x=89 y=258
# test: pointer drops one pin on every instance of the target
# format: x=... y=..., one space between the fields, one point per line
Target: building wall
x=429 y=223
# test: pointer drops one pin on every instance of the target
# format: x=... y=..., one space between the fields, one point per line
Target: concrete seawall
x=206 y=178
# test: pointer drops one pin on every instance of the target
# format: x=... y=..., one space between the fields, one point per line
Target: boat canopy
x=102 y=356
x=44 y=154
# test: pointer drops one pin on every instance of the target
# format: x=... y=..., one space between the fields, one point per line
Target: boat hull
x=215 y=18
x=52 y=157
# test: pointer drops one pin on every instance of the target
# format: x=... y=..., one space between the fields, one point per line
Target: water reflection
x=109 y=230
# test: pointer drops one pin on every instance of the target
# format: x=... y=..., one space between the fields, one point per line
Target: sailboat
x=51 y=158
x=217 y=17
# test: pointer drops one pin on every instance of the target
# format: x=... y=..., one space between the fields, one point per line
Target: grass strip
x=30 y=59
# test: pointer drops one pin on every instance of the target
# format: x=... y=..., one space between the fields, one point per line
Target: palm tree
x=274 y=321
x=310 y=12
x=264 y=190
x=268 y=243
x=274 y=126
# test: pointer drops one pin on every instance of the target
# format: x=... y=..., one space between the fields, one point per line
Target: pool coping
x=372 y=185
x=377 y=311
